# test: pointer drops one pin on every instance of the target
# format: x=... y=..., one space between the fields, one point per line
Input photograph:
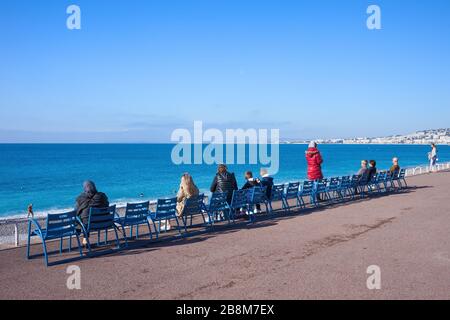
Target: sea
x=50 y=176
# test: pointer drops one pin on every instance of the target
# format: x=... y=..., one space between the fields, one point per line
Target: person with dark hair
x=224 y=181
x=251 y=182
x=372 y=170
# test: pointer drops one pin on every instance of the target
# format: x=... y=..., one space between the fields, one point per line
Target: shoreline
x=8 y=226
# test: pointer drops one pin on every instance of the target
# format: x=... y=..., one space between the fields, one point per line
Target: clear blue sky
x=139 y=69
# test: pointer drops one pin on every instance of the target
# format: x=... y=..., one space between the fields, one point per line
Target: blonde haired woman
x=187 y=189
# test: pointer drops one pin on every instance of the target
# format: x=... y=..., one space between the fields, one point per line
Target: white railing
x=426 y=169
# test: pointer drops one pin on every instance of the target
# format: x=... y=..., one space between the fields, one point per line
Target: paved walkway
x=322 y=254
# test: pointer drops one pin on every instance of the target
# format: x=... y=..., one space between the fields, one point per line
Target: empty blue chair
x=400 y=178
x=102 y=219
x=277 y=194
x=291 y=193
x=345 y=187
x=240 y=201
x=58 y=226
x=166 y=210
x=218 y=206
x=320 y=188
x=193 y=206
x=306 y=190
x=355 y=184
x=333 y=189
x=136 y=214
x=380 y=181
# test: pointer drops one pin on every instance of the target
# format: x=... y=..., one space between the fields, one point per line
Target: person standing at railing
x=432 y=157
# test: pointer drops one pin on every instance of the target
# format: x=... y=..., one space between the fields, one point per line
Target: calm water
x=50 y=175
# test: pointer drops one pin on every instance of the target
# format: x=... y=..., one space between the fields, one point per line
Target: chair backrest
x=194 y=205
x=258 y=195
x=355 y=179
x=334 y=183
x=166 y=208
x=292 y=190
x=218 y=202
x=345 y=182
x=321 y=185
x=307 y=188
x=101 y=218
x=137 y=212
x=277 y=192
x=240 y=198
x=61 y=224
x=381 y=176
x=402 y=173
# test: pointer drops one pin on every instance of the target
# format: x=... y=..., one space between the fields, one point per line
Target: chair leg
x=28 y=242
x=117 y=237
x=44 y=246
x=178 y=226
x=156 y=229
x=80 y=248
x=125 y=235
x=150 y=230
x=60 y=246
x=70 y=243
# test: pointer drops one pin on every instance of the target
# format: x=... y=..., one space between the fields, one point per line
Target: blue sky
x=137 y=70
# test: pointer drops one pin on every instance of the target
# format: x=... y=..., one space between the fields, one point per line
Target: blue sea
x=50 y=176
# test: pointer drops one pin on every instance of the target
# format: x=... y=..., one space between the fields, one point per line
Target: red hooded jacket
x=314 y=160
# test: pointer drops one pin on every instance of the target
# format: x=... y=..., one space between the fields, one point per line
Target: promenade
x=319 y=254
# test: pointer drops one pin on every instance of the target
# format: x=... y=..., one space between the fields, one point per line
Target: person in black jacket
x=266 y=181
x=89 y=198
x=251 y=182
x=224 y=181
x=372 y=170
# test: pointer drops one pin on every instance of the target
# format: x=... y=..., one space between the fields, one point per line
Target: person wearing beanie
x=314 y=161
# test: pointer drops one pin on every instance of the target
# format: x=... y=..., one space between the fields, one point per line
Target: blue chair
x=345 y=187
x=58 y=226
x=240 y=201
x=320 y=188
x=195 y=206
x=381 y=181
x=400 y=178
x=291 y=193
x=102 y=219
x=306 y=190
x=277 y=194
x=166 y=210
x=355 y=180
x=136 y=214
x=218 y=205
x=258 y=196
x=334 y=189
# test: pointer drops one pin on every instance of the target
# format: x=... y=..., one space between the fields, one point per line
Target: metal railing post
x=16 y=234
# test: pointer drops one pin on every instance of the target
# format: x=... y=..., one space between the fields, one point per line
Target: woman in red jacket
x=314 y=161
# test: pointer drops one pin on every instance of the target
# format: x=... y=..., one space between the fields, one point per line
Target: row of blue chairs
x=68 y=224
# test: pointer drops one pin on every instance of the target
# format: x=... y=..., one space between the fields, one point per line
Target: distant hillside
x=437 y=136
